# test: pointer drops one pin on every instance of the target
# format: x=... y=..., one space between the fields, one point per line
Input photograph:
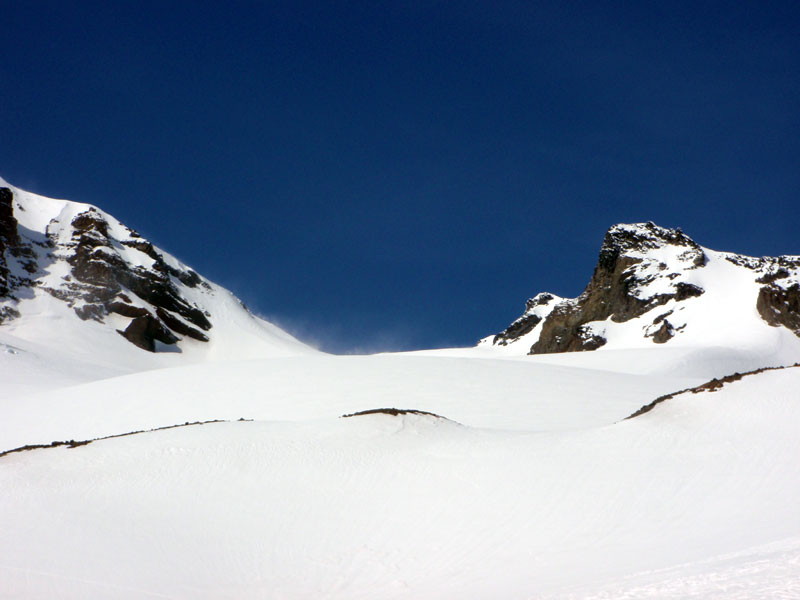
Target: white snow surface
x=695 y=499
x=531 y=484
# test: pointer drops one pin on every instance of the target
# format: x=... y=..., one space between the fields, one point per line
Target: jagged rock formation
x=641 y=268
x=105 y=268
x=536 y=310
x=103 y=276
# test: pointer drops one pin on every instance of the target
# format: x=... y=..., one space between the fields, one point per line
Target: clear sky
x=401 y=175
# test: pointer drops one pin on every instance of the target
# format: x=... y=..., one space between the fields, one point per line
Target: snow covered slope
x=498 y=394
x=655 y=286
x=527 y=481
x=696 y=498
x=73 y=278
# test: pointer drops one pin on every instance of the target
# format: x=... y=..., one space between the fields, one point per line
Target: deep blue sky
x=406 y=175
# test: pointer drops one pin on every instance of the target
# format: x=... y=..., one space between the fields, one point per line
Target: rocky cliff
x=646 y=276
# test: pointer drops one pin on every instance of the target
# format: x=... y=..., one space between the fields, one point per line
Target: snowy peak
x=654 y=285
x=644 y=236
x=59 y=257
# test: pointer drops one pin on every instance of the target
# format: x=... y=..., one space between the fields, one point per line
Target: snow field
x=487 y=393
x=410 y=506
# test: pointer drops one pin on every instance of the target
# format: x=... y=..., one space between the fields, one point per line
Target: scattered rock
x=391 y=411
x=664 y=333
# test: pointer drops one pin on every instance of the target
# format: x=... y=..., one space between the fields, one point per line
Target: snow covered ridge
x=57 y=255
x=657 y=285
x=709 y=386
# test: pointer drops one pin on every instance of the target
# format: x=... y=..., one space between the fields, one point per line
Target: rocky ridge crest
x=642 y=267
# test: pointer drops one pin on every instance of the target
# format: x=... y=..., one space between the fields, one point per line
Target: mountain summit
x=74 y=277
x=654 y=285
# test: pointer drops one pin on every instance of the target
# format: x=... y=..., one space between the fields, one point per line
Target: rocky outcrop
x=618 y=287
x=145 y=330
x=536 y=309
x=109 y=273
x=640 y=268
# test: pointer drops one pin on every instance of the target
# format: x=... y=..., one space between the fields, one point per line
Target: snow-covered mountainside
x=75 y=280
x=136 y=462
x=654 y=285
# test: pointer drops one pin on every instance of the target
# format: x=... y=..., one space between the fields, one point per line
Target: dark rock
x=394 y=412
x=145 y=330
x=780 y=306
x=95 y=312
x=687 y=290
x=127 y=310
x=564 y=330
x=90 y=220
x=9 y=237
x=8 y=223
x=143 y=246
x=8 y=313
x=526 y=323
x=781 y=273
x=188 y=278
x=589 y=340
x=664 y=333
x=517 y=329
x=13 y=247
x=660 y=318
x=179 y=326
